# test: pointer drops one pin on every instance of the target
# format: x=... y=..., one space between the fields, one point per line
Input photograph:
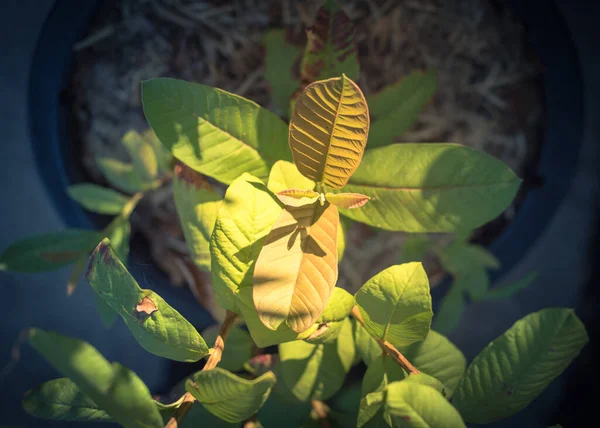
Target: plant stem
x=387 y=347
x=211 y=363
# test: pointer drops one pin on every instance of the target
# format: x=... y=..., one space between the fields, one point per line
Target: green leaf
x=157 y=327
x=333 y=317
x=143 y=156
x=517 y=366
x=198 y=416
x=245 y=218
x=121 y=175
x=48 y=251
x=396 y=304
x=382 y=371
x=437 y=357
x=510 y=289
x=448 y=317
x=366 y=347
x=415 y=248
x=460 y=258
x=119 y=233
x=107 y=315
x=317 y=372
x=163 y=156
x=238 y=347
x=371 y=412
x=217 y=133
x=114 y=388
x=425 y=379
x=280 y=57
x=228 y=396
x=410 y=404
x=396 y=108
x=98 y=199
x=430 y=187
x=343 y=406
x=61 y=399
x=285 y=175
x=197 y=206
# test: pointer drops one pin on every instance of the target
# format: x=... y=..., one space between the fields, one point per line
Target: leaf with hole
x=114 y=388
x=228 y=396
x=157 y=327
x=214 y=132
x=517 y=366
x=396 y=304
x=297 y=269
x=430 y=188
x=328 y=131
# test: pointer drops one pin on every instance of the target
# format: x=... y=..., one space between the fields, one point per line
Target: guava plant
x=272 y=246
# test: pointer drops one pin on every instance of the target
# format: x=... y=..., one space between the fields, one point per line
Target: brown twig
x=387 y=347
x=211 y=363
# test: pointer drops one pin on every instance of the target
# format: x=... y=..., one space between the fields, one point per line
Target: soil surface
x=489 y=96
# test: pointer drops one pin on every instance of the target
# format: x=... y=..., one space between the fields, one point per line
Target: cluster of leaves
x=272 y=245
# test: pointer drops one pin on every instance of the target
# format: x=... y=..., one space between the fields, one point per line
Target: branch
x=211 y=363
x=387 y=347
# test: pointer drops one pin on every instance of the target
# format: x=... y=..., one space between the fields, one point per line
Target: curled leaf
x=347 y=200
x=296 y=197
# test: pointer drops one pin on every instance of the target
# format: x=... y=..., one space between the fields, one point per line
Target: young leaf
x=280 y=57
x=328 y=131
x=114 y=388
x=245 y=218
x=48 y=251
x=396 y=304
x=317 y=372
x=347 y=200
x=285 y=175
x=121 y=175
x=448 y=316
x=437 y=357
x=431 y=188
x=297 y=197
x=330 y=48
x=61 y=399
x=217 y=133
x=228 y=396
x=367 y=348
x=396 y=108
x=143 y=156
x=297 y=269
x=517 y=366
x=157 y=327
x=238 y=350
x=382 y=371
x=197 y=206
x=411 y=404
x=98 y=199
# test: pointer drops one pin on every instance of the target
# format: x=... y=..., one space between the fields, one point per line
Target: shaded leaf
x=297 y=197
x=48 y=251
x=430 y=188
x=197 y=206
x=238 y=348
x=107 y=314
x=317 y=372
x=214 y=132
x=157 y=327
x=371 y=412
x=347 y=200
x=461 y=257
x=260 y=364
x=396 y=304
x=333 y=317
x=415 y=248
x=297 y=269
x=517 y=366
x=121 y=175
x=328 y=130
x=228 y=396
x=98 y=199
x=382 y=371
x=163 y=156
x=119 y=234
x=198 y=416
x=448 y=316
x=114 y=388
x=285 y=175
x=425 y=379
x=507 y=290
x=143 y=156
x=245 y=218
x=395 y=109
x=280 y=57
x=75 y=275
x=366 y=347
x=343 y=406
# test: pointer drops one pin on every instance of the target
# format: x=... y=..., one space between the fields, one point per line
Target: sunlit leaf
x=317 y=372
x=280 y=57
x=285 y=175
x=163 y=156
x=396 y=304
x=228 y=396
x=114 y=388
x=430 y=188
x=97 y=198
x=460 y=257
x=197 y=206
x=334 y=315
x=142 y=154
x=328 y=131
x=425 y=379
x=217 y=133
x=48 y=251
x=347 y=200
x=245 y=218
x=517 y=366
x=297 y=197
x=238 y=348
x=395 y=109
x=341 y=239
x=297 y=267
x=156 y=326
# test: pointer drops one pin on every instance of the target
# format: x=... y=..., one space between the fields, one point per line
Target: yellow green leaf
x=297 y=197
x=347 y=200
x=285 y=175
x=328 y=130
x=142 y=154
x=297 y=268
